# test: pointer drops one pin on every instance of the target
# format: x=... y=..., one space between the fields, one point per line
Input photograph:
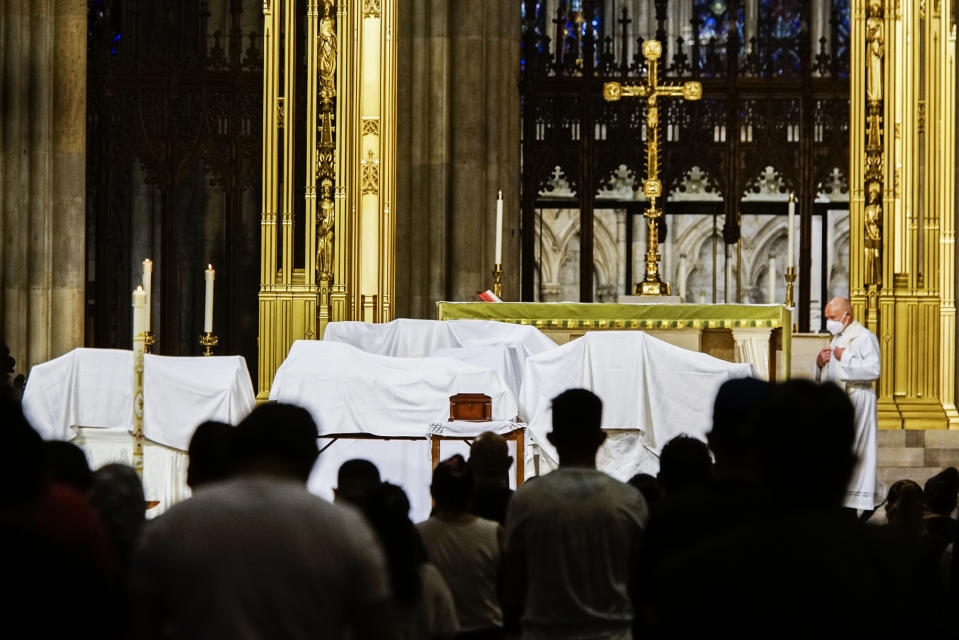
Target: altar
x=760 y=334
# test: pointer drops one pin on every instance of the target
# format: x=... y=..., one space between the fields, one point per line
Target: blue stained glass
x=780 y=25
x=841 y=14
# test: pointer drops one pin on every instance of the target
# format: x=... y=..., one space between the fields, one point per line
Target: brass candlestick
x=208 y=341
x=790 y=279
x=498 y=281
x=148 y=341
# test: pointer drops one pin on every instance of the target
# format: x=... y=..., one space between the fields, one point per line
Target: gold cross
x=652 y=285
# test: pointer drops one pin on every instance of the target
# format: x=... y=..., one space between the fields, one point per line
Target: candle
x=139 y=313
x=499 y=229
x=682 y=277
x=208 y=307
x=147 y=277
x=791 y=223
x=771 y=280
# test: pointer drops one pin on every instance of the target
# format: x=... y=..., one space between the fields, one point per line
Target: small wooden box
x=473 y=407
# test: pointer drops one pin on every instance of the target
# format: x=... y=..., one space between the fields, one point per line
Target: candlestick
x=147 y=281
x=790 y=278
x=208 y=341
x=790 y=230
x=499 y=229
x=139 y=323
x=208 y=307
x=498 y=281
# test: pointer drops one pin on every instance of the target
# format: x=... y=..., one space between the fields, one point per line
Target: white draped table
x=87 y=396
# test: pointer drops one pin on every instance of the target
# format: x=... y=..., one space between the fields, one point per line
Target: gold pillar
x=901 y=215
x=347 y=267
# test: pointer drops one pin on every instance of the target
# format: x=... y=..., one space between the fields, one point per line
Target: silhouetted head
x=651 y=489
x=355 y=481
x=67 y=465
x=806 y=449
x=941 y=492
x=387 y=509
x=737 y=423
x=452 y=487
x=117 y=494
x=684 y=464
x=22 y=474
x=904 y=507
x=577 y=433
x=210 y=454
x=490 y=460
x=277 y=439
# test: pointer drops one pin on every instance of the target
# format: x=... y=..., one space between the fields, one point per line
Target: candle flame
x=209 y=266
x=147 y=260
x=499 y=196
x=139 y=287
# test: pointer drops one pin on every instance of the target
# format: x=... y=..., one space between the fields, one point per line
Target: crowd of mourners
x=744 y=536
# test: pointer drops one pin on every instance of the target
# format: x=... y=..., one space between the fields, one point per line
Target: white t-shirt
x=434 y=615
x=468 y=556
x=578 y=531
x=259 y=558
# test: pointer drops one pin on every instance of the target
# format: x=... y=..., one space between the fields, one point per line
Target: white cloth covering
x=645 y=384
x=856 y=371
x=408 y=338
x=351 y=391
x=164 y=469
x=507 y=360
x=94 y=388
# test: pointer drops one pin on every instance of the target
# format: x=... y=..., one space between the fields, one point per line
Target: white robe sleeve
x=860 y=361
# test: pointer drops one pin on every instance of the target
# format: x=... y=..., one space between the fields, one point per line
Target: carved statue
x=874 y=51
x=327 y=53
x=324 y=232
x=873 y=235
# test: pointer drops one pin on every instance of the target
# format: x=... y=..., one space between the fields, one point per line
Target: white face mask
x=835 y=326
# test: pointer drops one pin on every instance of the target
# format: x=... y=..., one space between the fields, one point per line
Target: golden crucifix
x=652 y=285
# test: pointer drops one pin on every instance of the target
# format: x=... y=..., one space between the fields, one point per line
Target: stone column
x=458 y=143
x=42 y=217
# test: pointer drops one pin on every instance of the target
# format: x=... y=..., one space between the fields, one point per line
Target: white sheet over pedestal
x=350 y=391
x=407 y=338
x=94 y=388
x=646 y=385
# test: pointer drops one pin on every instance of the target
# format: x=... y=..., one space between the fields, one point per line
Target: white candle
x=791 y=223
x=771 y=280
x=499 y=228
x=208 y=307
x=139 y=313
x=682 y=278
x=147 y=277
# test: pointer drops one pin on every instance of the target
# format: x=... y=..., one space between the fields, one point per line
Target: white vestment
x=855 y=372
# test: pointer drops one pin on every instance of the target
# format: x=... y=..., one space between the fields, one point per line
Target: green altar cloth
x=608 y=316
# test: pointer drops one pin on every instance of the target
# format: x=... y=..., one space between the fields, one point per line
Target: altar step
x=915 y=454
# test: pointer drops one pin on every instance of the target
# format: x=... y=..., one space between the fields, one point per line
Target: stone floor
x=915 y=454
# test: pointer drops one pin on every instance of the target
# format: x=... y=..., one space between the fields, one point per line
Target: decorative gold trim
x=371 y=126
x=280 y=112
x=371 y=8
x=370 y=180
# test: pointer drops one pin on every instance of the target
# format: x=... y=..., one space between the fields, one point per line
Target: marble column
x=43 y=162
x=458 y=142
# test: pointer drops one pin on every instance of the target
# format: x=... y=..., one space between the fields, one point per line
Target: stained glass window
x=779 y=27
x=715 y=22
x=536 y=22
x=840 y=26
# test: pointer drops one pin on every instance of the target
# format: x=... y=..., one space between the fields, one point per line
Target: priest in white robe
x=852 y=362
